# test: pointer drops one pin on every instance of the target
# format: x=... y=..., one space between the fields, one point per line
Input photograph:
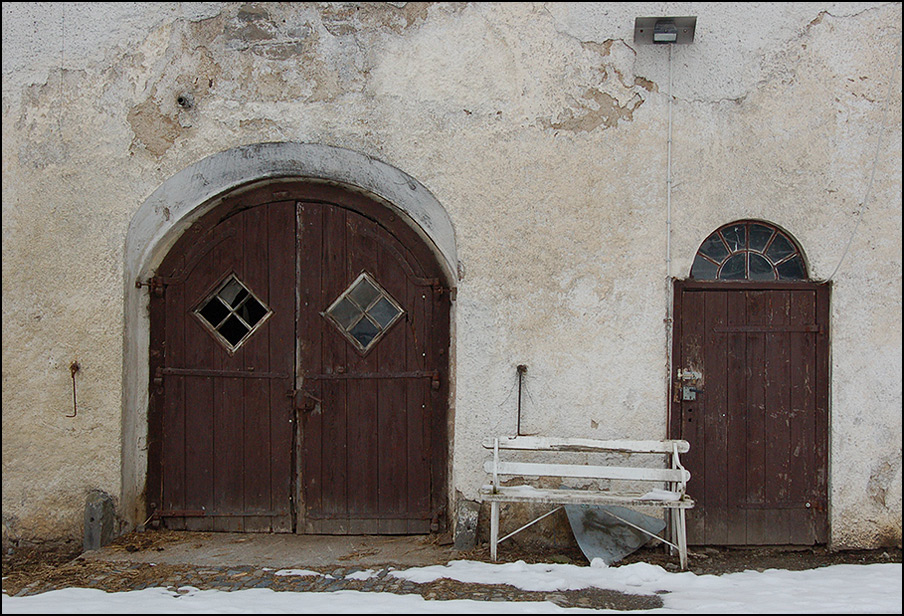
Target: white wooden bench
x=662 y=487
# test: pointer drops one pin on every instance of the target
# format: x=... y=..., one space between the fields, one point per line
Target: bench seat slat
x=533 y=469
x=527 y=494
x=543 y=443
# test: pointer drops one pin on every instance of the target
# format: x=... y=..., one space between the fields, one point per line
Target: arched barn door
x=299 y=336
x=750 y=390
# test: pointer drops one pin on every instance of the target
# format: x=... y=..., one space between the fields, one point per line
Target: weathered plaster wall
x=540 y=128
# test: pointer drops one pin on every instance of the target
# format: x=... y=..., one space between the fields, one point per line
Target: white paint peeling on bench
x=544 y=443
x=586 y=471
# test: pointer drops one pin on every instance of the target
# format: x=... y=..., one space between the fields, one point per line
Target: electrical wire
x=872 y=176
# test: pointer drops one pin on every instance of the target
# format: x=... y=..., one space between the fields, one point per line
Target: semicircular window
x=747 y=250
x=232 y=313
x=364 y=312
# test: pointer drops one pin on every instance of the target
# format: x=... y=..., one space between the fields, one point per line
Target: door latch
x=689 y=375
x=310 y=400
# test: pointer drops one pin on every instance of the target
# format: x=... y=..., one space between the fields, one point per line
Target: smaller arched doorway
x=299 y=369
x=750 y=389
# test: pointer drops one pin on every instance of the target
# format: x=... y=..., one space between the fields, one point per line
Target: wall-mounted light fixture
x=664 y=30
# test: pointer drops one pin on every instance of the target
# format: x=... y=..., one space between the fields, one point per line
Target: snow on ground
x=850 y=589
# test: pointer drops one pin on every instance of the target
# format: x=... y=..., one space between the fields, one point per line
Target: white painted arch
x=186 y=196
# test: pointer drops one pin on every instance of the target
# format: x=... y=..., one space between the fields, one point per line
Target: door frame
x=823 y=362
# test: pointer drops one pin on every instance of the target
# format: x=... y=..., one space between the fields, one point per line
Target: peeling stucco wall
x=541 y=129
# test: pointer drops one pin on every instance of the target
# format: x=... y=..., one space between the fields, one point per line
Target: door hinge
x=158 y=377
x=155 y=284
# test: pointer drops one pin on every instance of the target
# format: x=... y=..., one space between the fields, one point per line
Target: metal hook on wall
x=73 y=368
x=521 y=370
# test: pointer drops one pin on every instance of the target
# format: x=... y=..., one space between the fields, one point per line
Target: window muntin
x=752 y=251
x=364 y=312
x=232 y=313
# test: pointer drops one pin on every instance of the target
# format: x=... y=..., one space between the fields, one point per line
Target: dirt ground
x=34 y=569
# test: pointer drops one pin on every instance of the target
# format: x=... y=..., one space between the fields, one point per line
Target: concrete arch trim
x=184 y=197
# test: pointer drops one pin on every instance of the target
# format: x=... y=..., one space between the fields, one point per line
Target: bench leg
x=682 y=538
x=494 y=528
x=673 y=529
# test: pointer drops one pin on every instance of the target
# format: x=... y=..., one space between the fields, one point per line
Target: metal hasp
x=664 y=30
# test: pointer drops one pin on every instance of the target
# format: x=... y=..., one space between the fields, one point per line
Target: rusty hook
x=73 y=368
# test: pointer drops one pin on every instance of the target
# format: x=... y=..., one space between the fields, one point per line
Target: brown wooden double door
x=750 y=394
x=299 y=374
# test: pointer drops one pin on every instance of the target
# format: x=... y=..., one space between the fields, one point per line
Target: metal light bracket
x=664 y=30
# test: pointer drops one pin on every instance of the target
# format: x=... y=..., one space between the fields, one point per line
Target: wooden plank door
x=222 y=359
x=373 y=326
x=750 y=393
x=299 y=374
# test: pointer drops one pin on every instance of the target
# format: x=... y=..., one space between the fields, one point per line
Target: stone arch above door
x=195 y=190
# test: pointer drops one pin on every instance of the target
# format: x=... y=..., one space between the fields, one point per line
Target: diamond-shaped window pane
x=383 y=312
x=364 y=332
x=214 y=312
x=364 y=312
x=232 y=313
x=363 y=293
x=345 y=313
x=252 y=311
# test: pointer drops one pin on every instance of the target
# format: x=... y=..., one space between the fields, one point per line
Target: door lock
x=689 y=393
x=310 y=400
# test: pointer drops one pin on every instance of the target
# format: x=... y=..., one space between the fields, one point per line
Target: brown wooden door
x=371 y=447
x=750 y=394
x=222 y=359
x=275 y=405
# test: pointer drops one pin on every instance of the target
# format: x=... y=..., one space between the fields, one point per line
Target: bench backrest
x=676 y=474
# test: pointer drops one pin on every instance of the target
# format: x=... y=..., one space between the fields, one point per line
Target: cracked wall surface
x=542 y=130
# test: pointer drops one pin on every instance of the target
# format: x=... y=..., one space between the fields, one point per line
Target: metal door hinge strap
x=197 y=513
x=229 y=374
x=769 y=329
x=155 y=284
x=418 y=374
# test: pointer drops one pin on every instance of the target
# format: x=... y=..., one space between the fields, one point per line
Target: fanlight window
x=364 y=312
x=232 y=313
x=752 y=251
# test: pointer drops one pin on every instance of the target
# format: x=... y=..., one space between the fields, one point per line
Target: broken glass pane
x=736 y=237
x=233 y=292
x=233 y=313
x=214 y=311
x=233 y=330
x=251 y=311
